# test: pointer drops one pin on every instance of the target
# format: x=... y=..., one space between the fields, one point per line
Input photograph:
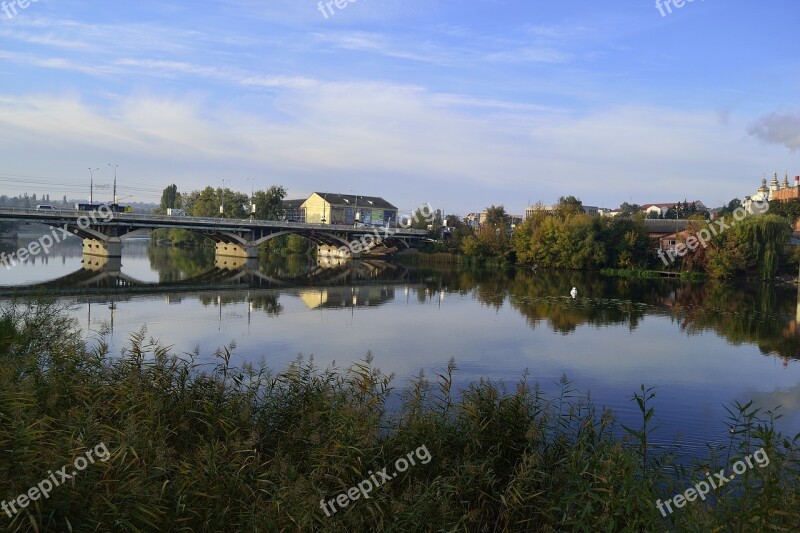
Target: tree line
x=565 y=237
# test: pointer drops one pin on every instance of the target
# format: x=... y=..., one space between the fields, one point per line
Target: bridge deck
x=60 y=216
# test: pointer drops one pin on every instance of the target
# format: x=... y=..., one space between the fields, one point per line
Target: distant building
x=610 y=213
x=781 y=192
x=660 y=210
x=347 y=209
x=293 y=211
x=472 y=220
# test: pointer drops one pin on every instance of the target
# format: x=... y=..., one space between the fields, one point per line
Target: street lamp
x=115 y=182
x=252 y=201
x=222 y=201
x=91 y=184
x=356 y=216
x=324 y=204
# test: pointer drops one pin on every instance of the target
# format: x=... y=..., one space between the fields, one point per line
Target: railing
x=199 y=221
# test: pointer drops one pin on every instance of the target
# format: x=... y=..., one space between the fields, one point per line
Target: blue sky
x=458 y=103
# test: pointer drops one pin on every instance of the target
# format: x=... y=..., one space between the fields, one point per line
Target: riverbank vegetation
x=568 y=239
x=215 y=448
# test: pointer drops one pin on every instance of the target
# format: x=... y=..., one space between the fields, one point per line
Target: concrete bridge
x=102 y=234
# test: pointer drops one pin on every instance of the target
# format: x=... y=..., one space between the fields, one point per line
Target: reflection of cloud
x=788 y=399
x=779 y=129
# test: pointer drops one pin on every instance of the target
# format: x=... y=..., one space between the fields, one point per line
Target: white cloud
x=404 y=140
x=779 y=128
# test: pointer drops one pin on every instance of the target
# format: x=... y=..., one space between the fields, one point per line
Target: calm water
x=701 y=346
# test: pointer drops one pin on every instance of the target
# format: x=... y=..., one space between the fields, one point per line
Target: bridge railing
x=54 y=214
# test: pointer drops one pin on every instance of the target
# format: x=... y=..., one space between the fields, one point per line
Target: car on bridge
x=45 y=207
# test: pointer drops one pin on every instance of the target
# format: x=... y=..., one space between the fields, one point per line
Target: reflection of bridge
x=233 y=238
x=105 y=275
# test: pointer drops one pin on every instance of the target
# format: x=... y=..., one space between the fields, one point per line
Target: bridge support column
x=323 y=250
x=112 y=265
x=232 y=256
x=224 y=262
x=108 y=248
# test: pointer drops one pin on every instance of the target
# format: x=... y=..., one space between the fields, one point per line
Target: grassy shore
x=216 y=448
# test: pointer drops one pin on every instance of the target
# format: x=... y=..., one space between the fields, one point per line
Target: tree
x=205 y=203
x=493 y=234
x=568 y=207
x=269 y=203
x=169 y=198
x=628 y=210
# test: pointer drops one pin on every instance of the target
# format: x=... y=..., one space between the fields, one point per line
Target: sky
x=462 y=104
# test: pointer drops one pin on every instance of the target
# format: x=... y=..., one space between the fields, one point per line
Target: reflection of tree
x=266 y=301
x=286 y=266
x=177 y=264
x=761 y=314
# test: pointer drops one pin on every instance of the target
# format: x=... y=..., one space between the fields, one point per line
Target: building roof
x=293 y=204
x=669 y=205
x=349 y=200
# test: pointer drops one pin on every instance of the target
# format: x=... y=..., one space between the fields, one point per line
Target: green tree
x=732 y=206
x=629 y=210
x=204 y=203
x=169 y=198
x=493 y=233
x=269 y=203
x=568 y=207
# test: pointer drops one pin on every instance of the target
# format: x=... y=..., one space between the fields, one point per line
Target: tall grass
x=215 y=448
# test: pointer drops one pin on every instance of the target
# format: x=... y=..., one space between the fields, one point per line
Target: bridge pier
x=112 y=247
x=223 y=262
x=112 y=265
x=227 y=249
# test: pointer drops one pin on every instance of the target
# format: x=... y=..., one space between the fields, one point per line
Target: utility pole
x=115 y=182
x=91 y=184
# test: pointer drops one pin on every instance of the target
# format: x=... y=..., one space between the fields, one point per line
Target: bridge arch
x=318 y=237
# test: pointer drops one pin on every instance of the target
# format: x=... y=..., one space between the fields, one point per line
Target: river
x=701 y=346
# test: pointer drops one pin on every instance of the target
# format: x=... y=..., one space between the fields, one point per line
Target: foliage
x=732 y=206
x=269 y=203
x=629 y=210
x=218 y=448
x=568 y=207
x=756 y=245
x=492 y=238
x=582 y=242
x=789 y=210
x=170 y=198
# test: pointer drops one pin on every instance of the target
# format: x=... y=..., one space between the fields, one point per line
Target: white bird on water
x=574 y=292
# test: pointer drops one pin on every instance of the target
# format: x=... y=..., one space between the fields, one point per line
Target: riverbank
x=213 y=447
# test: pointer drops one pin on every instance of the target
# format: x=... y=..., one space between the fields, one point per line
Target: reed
x=211 y=447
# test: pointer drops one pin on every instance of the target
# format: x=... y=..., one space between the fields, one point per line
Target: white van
x=44 y=207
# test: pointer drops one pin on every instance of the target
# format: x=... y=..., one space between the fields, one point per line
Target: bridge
x=102 y=233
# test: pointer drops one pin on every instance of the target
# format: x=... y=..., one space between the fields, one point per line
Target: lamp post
x=324 y=205
x=91 y=184
x=222 y=201
x=115 y=182
x=252 y=200
x=356 y=216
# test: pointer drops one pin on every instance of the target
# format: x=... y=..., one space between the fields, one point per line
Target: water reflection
x=763 y=315
x=695 y=342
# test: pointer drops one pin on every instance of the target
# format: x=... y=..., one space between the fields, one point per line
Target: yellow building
x=346 y=209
